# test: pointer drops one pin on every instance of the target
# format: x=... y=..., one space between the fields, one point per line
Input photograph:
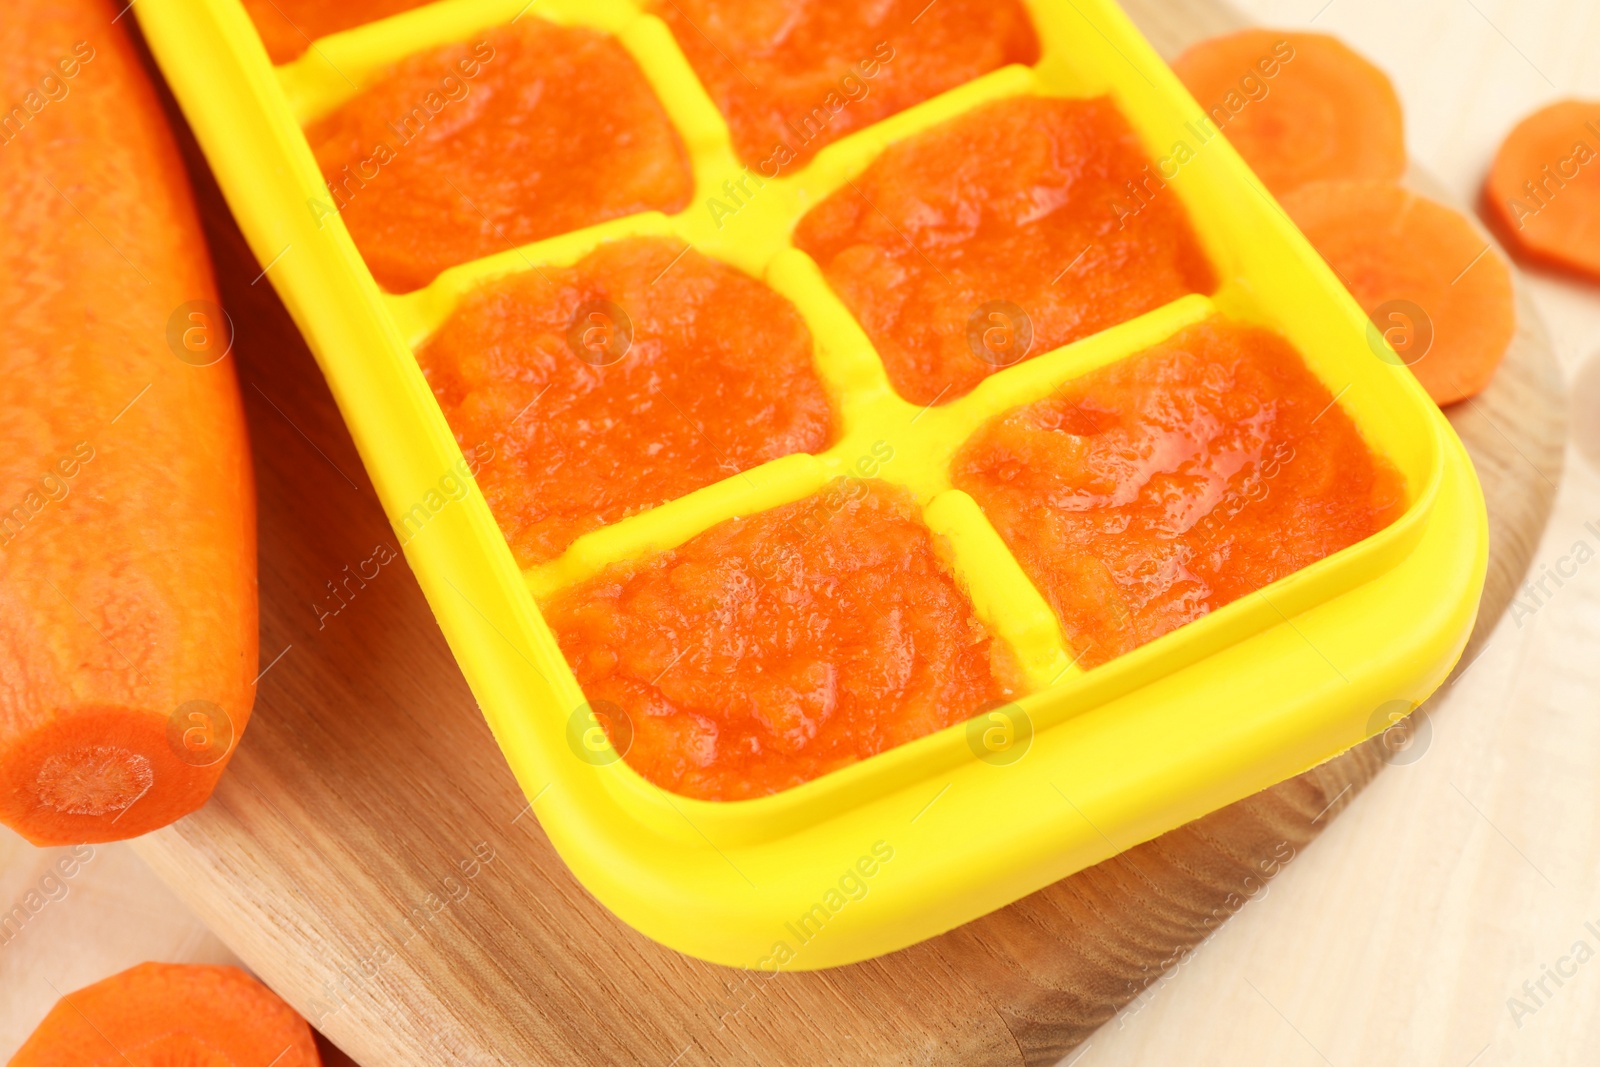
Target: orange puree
x=477 y=148
x=1151 y=492
x=793 y=76
x=1024 y=205
x=288 y=27
x=678 y=374
x=777 y=647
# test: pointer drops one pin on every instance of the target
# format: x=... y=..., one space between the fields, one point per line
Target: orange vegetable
x=776 y=647
x=1299 y=107
x=127 y=525
x=1432 y=283
x=1154 y=491
x=711 y=374
x=1544 y=188
x=540 y=130
x=1034 y=220
x=794 y=77
x=288 y=27
x=171 y=1015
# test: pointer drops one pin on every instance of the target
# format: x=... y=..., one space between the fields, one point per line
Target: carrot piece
x=1299 y=107
x=127 y=514
x=171 y=1015
x=1435 y=287
x=1543 y=191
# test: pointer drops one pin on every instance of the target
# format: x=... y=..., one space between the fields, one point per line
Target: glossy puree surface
x=1153 y=491
x=776 y=647
x=637 y=375
x=1026 y=202
x=794 y=76
x=476 y=148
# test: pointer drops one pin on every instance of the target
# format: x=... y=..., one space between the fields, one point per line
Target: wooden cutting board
x=370 y=855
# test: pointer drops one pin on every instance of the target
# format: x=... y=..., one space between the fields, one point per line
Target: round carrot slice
x=127 y=524
x=171 y=1014
x=1544 y=187
x=1435 y=288
x=1299 y=107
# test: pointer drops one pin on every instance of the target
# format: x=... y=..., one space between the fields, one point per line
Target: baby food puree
x=477 y=148
x=637 y=375
x=776 y=647
x=1007 y=223
x=1155 y=490
x=794 y=76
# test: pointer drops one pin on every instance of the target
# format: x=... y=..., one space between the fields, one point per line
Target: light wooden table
x=1400 y=935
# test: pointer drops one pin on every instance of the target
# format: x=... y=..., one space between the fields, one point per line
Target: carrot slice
x=1544 y=188
x=127 y=526
x=1299 y=107
x=171 y=1015
x=1435 y=287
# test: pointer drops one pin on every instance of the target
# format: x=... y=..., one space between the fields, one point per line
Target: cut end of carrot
x=102 y=774
x=93 y=780
x=1435 y=287
x=128 y=594
x=1299 y=107
x=172 y=1015
x=1543 y=192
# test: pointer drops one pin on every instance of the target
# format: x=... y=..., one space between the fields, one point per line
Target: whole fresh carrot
x=127 y=515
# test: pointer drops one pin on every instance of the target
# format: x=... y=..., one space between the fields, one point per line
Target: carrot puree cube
x=999 y=235
x=796 y=76
x=776 y=647
x=287 y=27
x=641 y=373
x=1146 y=494
x=472 y=149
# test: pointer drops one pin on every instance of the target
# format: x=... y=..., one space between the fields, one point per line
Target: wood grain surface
x=368 y=853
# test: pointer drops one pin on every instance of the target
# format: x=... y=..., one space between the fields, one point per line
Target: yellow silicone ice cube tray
x=934 y=833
